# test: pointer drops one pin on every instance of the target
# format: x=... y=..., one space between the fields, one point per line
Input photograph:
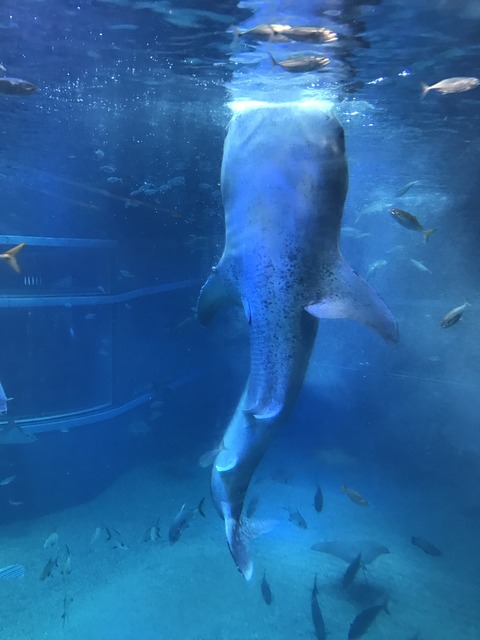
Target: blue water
x=125 y=394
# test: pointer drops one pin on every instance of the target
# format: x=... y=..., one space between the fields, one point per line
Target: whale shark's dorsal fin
x=346 y=295
x=218 y=291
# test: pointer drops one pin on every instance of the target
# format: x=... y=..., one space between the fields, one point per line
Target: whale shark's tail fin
x=346 y=295
x=238 y=544
x=240 y=534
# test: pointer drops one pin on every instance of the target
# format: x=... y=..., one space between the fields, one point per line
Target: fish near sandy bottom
x=364 y=620
x=284 y=181
x=453 y=316
x=426 y=546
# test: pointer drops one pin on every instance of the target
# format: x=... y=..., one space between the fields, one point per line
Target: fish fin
x=269 y=412
x=425 y=90
x=200 y=507
x=218 y=291
x=14 y=250
x=348 y=296
x=248 y=311
x=237 y=543
x=10 y=256
x=225 y=460
x=427 y=233
x=208 y=458
x=274 y=62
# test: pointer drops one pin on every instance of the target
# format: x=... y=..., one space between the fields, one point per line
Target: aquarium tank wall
x=239 y=293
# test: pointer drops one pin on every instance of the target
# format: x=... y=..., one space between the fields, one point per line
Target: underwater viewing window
x=65 y=312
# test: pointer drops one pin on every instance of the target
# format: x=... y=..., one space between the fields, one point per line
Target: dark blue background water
x=151 y=98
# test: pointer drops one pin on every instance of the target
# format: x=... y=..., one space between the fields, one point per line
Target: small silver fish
x=420 y=266
x=51 y=541
x=152 y=534
x=352 y=570
x=406 y=187
x=265 y=32
x=16 y=87
x=453 y=316
x=114 y=180
x=452 y=85
x=96 y=535
x=301 y=64
x=126 y=274
x=318 y=500
x=181 y=520
x=354 y=496
x=5 y=481
x=266 y=591
x=316 y=35
x=376 y=266
x=49 y=567
x=297 y=519
x=66 y=568
x=286 y=33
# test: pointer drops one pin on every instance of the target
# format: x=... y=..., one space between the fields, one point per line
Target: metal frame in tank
x=105 y=411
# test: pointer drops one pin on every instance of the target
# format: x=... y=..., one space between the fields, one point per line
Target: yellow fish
x=10 y=256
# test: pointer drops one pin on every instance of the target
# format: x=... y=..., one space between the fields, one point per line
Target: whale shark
x=284 y=180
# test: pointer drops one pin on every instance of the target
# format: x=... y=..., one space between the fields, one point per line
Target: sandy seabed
x=192 y=591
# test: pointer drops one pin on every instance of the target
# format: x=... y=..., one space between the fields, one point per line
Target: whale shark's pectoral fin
x=265 y=412
x=218 y=291
x=346 y=295
x=225 y=460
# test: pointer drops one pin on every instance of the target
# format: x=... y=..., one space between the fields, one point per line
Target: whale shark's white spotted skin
x=284 y=182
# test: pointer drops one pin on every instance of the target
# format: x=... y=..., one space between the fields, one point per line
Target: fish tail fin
x=427 y=233
x=344 y=488
x=425 y=90
x=10 y=256
x=238 y=544
x=385 y=606
x=200 y=507
x=236 y=35
x=274 y=61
